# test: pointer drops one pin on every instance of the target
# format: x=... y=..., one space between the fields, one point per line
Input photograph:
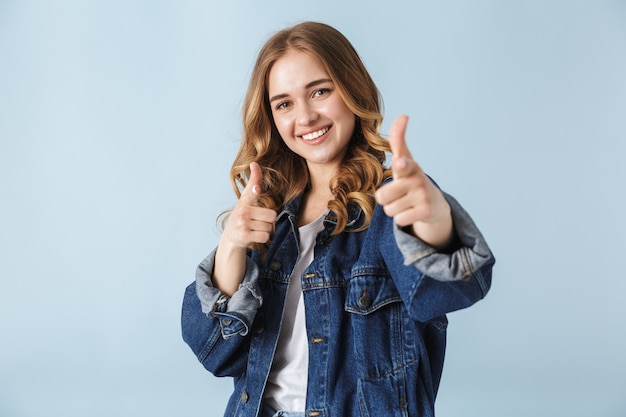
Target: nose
x=307 y=114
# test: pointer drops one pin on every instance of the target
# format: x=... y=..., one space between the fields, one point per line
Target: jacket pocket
x=369 y=290
x=376 y=322
x=383 y=397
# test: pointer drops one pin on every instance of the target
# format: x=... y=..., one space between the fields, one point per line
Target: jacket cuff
x=470 y=255
x=235 y=313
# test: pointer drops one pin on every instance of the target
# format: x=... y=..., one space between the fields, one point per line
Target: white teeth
x=315 y=135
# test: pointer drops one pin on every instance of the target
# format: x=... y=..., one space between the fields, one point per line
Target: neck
x=315 y=200
x=320 y=177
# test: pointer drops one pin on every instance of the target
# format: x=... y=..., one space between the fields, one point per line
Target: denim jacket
x=375 y=305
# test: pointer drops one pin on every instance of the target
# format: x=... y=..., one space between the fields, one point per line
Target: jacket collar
x=292 y=208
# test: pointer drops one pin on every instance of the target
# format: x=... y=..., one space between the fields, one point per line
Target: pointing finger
x=402 y=164
x=253 y=189
x=397 y=141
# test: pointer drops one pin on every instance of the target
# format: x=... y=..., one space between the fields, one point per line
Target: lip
x=319 y=138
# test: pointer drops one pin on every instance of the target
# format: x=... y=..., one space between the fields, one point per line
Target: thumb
x=399 y=148
x=253 y=189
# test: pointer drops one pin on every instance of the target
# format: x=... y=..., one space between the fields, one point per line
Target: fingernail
x=401 y=163
x=255 y=189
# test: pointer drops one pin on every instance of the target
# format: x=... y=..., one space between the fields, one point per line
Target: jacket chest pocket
x=368 y=292
x=376 y=322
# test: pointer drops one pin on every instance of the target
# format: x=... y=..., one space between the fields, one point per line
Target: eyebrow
x=306 y=87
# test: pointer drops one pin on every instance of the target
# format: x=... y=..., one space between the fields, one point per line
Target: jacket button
x=364 y=300
x=244 y=397
x=275 y=265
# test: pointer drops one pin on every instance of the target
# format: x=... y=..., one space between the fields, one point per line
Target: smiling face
x=310 y=115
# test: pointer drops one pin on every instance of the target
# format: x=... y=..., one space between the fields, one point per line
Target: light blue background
x=118 y=124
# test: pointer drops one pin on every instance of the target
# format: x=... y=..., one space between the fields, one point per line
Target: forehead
x=294 y=71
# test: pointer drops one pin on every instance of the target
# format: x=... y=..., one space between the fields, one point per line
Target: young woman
x=328 y=292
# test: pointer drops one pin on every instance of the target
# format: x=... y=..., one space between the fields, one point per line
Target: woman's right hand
x=247 y=223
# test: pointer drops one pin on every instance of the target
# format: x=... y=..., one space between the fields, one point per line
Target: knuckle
x=401 y=221
x=240 y=223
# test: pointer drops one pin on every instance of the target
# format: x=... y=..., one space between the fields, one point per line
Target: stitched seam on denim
x=275 y=276
x=374 y=307
x=361 y=399
x=481 y=283
x=395 y=325
x=208 y=347
x=323 y=284
x=376 y=271
x=236 y=323
x=388 y=373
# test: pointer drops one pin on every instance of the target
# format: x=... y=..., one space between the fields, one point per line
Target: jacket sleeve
x=435 y=283
x=215 y=326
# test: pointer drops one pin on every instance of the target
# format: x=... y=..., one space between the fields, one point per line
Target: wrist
x=438 y=234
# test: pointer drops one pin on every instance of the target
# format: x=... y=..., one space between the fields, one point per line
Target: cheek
x=344 y=114
x=349 y=121
x=283 y=126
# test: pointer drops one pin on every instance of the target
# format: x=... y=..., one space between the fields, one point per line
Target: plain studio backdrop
x=118 y=124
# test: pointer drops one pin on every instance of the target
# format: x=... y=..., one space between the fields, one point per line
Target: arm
x=220 y=307
x=248 y=223
x=214 y=325
x=433 y=282
x=414 y=202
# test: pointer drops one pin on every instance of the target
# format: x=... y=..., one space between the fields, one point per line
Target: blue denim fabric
x=376 y=304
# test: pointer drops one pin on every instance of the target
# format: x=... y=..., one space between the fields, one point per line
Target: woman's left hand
x=411 y=198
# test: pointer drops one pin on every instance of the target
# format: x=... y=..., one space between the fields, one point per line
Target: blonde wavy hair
x=285 y=174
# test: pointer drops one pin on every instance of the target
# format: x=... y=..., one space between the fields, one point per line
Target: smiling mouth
x=316 y=134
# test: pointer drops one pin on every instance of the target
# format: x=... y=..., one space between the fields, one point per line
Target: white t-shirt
x=287 y=382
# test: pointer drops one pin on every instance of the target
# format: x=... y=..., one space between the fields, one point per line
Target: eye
x=283 y=105
x=320 y=92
